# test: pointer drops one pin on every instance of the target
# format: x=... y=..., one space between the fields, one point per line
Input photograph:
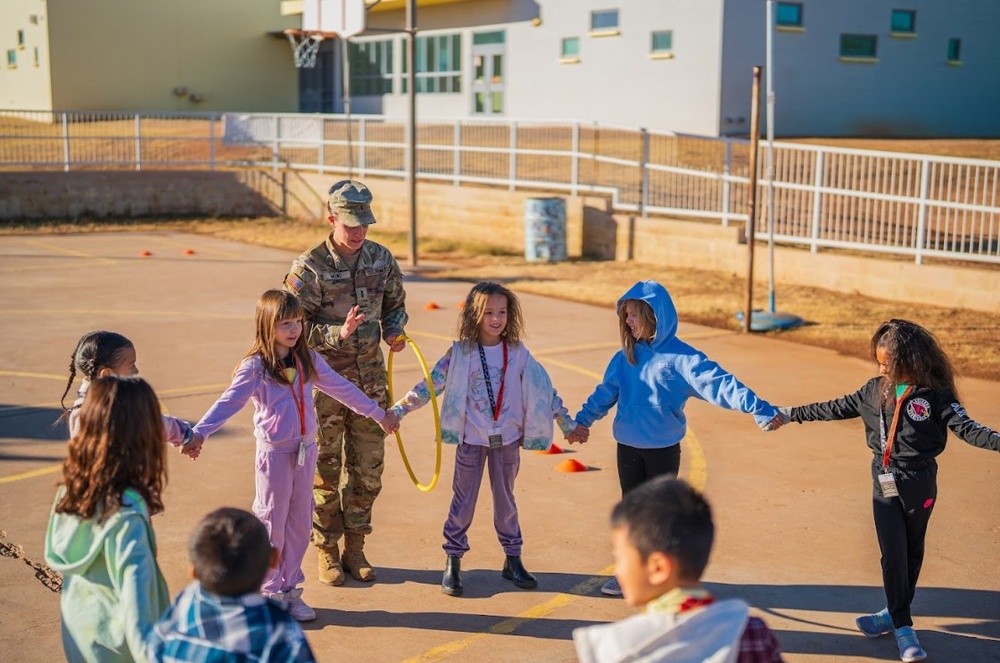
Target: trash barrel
x=545 y=229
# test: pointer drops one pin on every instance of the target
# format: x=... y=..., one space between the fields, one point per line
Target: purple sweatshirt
x=276 y=416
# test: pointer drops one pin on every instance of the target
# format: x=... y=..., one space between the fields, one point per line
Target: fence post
x=274 y=147
x=817 y=199
x=321 y=152
x=138 y=143
x=575 y=165
x=362 y=146
x=211 y=141
x=456 y=161
x=727 y=183
x=512 y=176
x=925 y=181
x=65 y=135
x=644 y=172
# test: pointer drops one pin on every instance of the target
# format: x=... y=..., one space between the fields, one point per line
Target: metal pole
x=411 y=76
x=751 y=217
x=346 y=74
x=769 y=165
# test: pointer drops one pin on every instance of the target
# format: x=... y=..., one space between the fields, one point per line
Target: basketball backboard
x=346 y=18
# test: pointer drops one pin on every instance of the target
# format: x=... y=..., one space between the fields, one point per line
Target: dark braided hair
x=96 y=350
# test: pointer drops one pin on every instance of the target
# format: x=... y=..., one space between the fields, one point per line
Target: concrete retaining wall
x=487 y=215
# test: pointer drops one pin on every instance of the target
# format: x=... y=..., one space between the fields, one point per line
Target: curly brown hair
x=913 y=355
x=475 y=308
x=120 y=444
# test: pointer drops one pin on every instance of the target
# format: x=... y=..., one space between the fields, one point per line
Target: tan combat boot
x=330 y=570
x=354 y=558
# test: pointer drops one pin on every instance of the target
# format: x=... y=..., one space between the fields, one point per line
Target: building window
x=903 y=22
x=569 y=50
x=662 y=43
x=20 y=39
x=954 y=49
x=858 y=46
x=371 y=67
x=36 y=56
x=12 y=58
x=439 y=64
x=485 y=38
x=604 y=22
x=788 y=15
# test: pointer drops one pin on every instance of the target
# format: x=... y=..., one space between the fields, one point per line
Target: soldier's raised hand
x=354 y=318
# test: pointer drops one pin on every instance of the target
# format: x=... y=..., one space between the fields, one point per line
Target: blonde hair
x=120 y=444
x=475 y=309
x=273 y=307
x=647 y=325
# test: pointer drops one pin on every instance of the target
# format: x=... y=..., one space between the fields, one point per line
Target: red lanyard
x=888 y=442
x=489 y=386
x=300 y=400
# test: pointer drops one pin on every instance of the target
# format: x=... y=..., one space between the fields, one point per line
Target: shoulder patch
x=293 y=282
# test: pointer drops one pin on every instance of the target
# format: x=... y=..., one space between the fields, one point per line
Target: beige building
x=178 y=55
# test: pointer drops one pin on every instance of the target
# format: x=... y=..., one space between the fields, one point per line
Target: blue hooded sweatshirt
x=651 y=393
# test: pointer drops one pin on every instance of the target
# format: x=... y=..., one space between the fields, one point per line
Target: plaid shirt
x=201 y=627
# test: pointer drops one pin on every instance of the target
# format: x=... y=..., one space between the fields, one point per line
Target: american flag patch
x=293 y=282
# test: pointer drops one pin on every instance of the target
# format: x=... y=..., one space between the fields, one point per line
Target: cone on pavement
x=554 y=449
x=571 y=465
x=145 y=254
x=431 y=306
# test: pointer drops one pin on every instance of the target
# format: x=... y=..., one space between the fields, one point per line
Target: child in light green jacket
x=99 y=535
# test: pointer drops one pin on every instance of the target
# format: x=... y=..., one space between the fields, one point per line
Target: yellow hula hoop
x=437 y=416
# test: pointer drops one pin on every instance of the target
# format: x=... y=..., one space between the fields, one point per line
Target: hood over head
x=659 y=300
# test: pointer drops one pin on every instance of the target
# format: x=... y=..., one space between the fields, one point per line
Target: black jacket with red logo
x=923 y=425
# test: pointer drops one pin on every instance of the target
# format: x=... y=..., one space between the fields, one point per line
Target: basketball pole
x=769 y=166
x=411 y=76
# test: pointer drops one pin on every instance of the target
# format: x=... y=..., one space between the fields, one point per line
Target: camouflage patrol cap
x=351 y=201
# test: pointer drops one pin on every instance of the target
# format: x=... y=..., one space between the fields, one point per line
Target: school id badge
x=888 y=485
x=495 y=438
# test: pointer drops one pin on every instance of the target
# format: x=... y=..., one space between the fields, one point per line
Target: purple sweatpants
x=504 y=464
x=284 y=503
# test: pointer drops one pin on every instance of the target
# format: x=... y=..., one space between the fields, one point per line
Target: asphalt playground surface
x=793 y=512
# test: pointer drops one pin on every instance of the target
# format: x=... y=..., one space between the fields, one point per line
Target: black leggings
x=901 y=525
x=638 y=465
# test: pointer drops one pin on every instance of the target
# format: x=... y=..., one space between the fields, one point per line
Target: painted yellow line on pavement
x=71 y=252
x=33 y=473
x=29 y=374
x=511 y=624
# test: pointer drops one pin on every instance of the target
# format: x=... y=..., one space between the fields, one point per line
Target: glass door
x=488 y=73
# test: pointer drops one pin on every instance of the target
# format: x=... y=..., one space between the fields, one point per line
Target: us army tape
x=437 y=417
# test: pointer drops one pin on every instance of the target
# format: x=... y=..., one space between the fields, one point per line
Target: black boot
x=451 y=583
x=514 y=570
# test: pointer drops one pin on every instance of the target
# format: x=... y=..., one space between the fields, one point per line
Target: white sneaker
x=611 y=587
x=293 y=603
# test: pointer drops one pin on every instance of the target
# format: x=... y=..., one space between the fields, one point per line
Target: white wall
x=25 y=86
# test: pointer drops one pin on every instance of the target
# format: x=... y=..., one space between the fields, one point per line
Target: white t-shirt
x=479 y=413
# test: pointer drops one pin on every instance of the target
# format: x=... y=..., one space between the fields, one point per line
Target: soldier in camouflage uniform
x=352 y=292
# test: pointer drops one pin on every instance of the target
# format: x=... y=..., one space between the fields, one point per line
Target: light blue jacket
x=651 y=393
x=113 y=591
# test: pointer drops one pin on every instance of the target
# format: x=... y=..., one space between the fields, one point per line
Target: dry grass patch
x=835 y=320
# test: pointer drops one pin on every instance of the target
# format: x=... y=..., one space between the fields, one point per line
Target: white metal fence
x=824 y=197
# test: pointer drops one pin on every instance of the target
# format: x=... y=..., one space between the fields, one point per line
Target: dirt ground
x=792 y=508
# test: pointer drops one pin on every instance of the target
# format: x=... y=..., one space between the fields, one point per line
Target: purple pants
x=504 y=464
x=284 y=503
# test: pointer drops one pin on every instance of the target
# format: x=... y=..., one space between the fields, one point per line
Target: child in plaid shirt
x=662 y=535
x=222 y=616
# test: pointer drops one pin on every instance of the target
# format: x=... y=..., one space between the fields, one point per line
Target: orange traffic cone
x=189 y=252
x=571 y=465
x=145 y=254
x=431 y=306
x=554 y=449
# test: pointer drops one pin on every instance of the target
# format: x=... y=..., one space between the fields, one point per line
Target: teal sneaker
x=909 y=646
x=875 y=625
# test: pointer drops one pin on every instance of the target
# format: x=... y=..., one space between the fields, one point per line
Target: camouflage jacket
x=324 y=285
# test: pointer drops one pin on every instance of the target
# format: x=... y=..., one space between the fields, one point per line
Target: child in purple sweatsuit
x=278 y=374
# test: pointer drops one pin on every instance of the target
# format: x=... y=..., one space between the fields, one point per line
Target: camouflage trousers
x=349 y=464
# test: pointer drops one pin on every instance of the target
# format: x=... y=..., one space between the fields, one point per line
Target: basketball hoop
x=305 y=47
